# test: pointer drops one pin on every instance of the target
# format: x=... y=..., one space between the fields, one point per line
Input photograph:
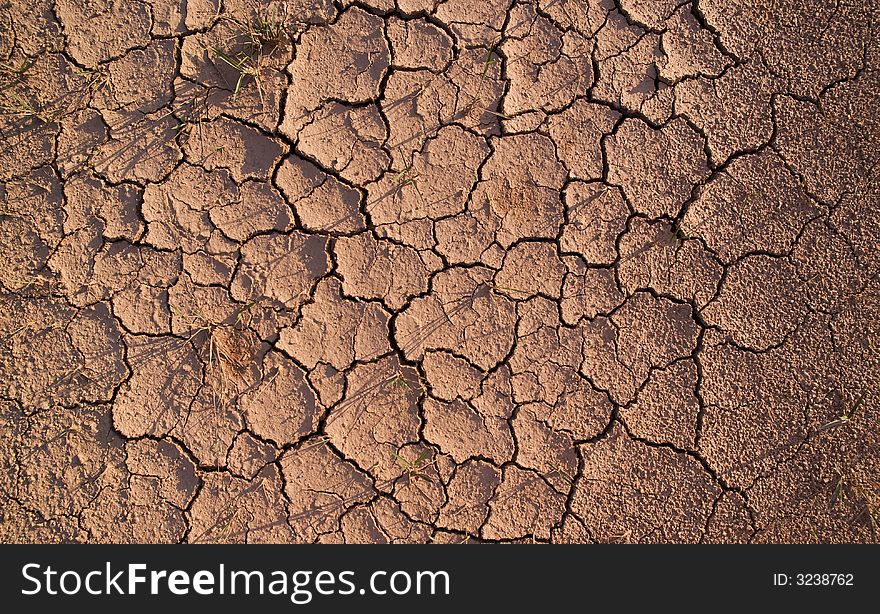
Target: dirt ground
x=439 y=271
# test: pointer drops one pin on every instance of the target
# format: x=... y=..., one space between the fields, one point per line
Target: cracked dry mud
x=439 y=271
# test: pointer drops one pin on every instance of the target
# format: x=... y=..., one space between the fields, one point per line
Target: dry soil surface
x=439 y=271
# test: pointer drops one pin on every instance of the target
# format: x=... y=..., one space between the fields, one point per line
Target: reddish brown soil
x=439 y=271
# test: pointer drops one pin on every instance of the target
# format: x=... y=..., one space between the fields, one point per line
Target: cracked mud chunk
x=383 y=270
x=377 y=415
x=320 y=201
x=544 y=449
x=178 y=210
x=418 y=43
x=521 y=187
x=587 y=292
x=667 y=408
x=531 y=269
x=141 y=147
x=657 y=169
x=352 y=73
x=628 y=76
x=347 y=140
x=690 y=49
x=33 y=205
x=336 y=331
x=577 y=132
x=382 y=522
x=733 y=110
x=101 y=30
x=645 y=333
x=463 y=313
x=657 y=256
x=755 y=204
x=81 y=133
x=320 y=486
x=166 y=376
x=56 y=355
x=548 y=67
x=468 y=492
x=142 y=78
x=259 y=208
x=651 y=13
x=435 y=182
x=761 y=312
x=245 y=152
x=645 y=493
x=451 y=376
x=282 y=268
x=596 y=214
x=208 y=87
x=23 y=252
x=231 y=510
x=523 y=505
x=462 y=431
x=249 y=455
x=282 y=407
x=136 y=280
x=88 y=199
